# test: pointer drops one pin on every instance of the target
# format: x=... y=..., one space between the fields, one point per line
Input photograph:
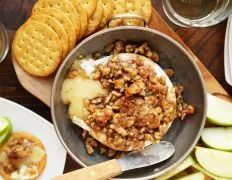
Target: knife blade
x=151 y=155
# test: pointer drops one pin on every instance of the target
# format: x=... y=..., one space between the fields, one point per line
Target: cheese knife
x=151 y=155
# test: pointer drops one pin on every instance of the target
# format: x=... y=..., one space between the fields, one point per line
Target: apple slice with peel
x=6 y=132
x=219 y=111
x=216 y=162
x=4 y=137
x=184 y=165
x=199 y=168
x=4 y=123
x=218 y=138
x=194 y=176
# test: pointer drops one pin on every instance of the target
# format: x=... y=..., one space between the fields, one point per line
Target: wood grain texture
x=211 y=83
x=206 y=43
x=102 y=171
x=41 y=87
x=37 y=86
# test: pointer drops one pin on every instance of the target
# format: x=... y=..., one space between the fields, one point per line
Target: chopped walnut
x=136 y=108
x=148 y=54
x=119 y=83
x=111 y=153
x=102 y=116
x=169 y=72
x=105 y=71
x=119 y=47
x=96 y=75
x=90 y=149
x=119 y=130
x=97 y=55
x=129 y=48
x=155 y=57
x=109 y=48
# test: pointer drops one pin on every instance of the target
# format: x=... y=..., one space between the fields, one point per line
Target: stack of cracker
x=55 y=27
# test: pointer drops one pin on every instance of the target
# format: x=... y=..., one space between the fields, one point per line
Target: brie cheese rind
x=75 y=91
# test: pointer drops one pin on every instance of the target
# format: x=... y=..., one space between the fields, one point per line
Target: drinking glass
x=4 y=42
x=197 y=13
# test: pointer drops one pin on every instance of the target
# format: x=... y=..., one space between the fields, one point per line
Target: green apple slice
x=7 y=132
x=218 y=138
x=184 y=165
x=4 y=137
x=199 y=168
x=219 y=111
x=216 y=162
x=194 y=176
x=4 y=123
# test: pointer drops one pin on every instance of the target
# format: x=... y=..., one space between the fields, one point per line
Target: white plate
x=227 y=52
x=26 y=120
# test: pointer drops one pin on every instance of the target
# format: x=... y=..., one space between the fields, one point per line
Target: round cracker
x=146 y=9
x=82 y=15
x=89 y=6
x=65 y=21
x=108 y=8
x=57 y=27
x=95 y=19
x=41 y=165
x=37 y=48
x=63 y=5
x=119 y=8
x=133 y=7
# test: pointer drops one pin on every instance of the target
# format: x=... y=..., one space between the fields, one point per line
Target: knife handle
x=100 y=171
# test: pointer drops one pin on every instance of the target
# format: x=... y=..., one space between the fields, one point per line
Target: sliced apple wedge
x=184 y=165
x=4 y=123
x=4 y=137
x=216 y=162
x=194 y=176
x=219 y=111
x=199 y=168
x=218 y=138
x=6 y=132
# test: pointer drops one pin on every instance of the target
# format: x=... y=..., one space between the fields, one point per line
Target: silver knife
x=151 y=155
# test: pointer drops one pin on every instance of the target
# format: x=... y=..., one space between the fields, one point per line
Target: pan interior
x=183 y=134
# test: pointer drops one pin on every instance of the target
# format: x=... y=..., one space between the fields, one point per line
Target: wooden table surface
x=206 y=43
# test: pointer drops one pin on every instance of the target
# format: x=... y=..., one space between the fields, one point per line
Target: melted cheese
x=27 y=170
x=75 y=91
x=25 y=173
x=37 y=154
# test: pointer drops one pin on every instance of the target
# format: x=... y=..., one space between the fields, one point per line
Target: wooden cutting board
x=41 y=87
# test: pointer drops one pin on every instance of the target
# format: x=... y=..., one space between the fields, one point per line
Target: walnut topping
x=142 y=49
x=17 y=149
x=136 y=108
x=135 y=105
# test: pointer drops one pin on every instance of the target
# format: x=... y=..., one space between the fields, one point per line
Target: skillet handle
x=128 y=16
x=100 y=171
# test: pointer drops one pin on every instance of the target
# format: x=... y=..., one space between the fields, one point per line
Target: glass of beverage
x=197 y=13
x=4 y=42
